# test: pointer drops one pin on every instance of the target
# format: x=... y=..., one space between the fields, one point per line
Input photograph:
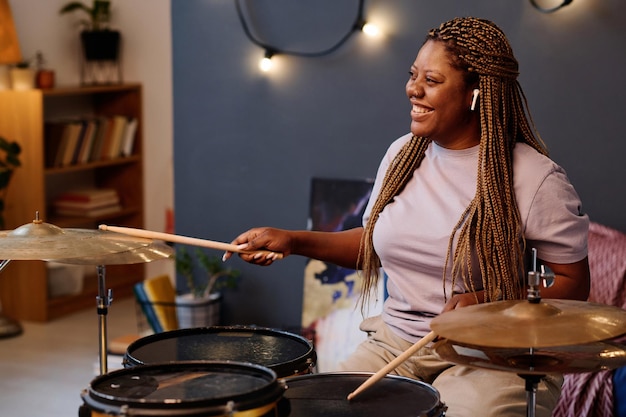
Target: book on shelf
x=73 y=136
x=117 y=135
x=85 y=205
x=86 y=144
x=88 y=212
x=87 y=195
x=129 y=136
x=88 y=139
x=98 y=140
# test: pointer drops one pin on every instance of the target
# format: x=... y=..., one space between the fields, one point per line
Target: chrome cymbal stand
x=8 y=326
x=535 y=278
x=103 y=301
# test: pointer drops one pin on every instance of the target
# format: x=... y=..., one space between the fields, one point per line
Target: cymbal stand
x=531 y=393
x=8 y=326
x=103 y=301
x=535 y=278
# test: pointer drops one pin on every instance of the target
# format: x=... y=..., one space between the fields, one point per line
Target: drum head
x=326 y=395
x=185 y=389
x=285 y=353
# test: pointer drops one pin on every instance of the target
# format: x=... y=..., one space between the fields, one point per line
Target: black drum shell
x=325 y=394
x=202 y=388
x=285 y=353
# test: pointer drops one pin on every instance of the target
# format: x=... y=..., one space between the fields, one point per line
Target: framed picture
x=331 y=305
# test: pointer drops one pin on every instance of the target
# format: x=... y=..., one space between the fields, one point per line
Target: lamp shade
x=9 y=44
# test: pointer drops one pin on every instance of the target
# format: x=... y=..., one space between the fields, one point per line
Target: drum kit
x=251 y=371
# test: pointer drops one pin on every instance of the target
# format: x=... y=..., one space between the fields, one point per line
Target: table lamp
x=9 y=45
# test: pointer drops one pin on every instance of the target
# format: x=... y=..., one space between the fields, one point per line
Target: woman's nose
x=414 y=88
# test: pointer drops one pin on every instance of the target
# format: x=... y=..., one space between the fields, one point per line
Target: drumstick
x=392 y=365
x=184 y=240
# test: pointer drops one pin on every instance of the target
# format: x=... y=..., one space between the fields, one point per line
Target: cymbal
x=588 y=357
x=522 y=324
x=39 y=240
x=153 y=252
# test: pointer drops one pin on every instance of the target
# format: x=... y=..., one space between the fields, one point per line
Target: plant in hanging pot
x=200 y=306
x=100 y=43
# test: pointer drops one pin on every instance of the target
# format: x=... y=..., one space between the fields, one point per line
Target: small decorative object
x=22 y=76
x=201 y=305
x=101 y=45
x=44 y=78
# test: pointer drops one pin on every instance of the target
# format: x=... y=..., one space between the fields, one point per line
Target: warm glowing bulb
x=370 y=30
x=265 y=64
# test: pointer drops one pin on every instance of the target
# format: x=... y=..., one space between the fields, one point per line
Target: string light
x=265 y=63
x=550 y=9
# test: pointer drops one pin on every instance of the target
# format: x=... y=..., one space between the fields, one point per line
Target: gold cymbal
x=39 y=241
x=589 y=357
x=153 y=252
x=522 y=324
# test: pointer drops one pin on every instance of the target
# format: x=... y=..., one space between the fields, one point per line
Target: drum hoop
x=260 y=397
x=437 y=410
x=295 y=365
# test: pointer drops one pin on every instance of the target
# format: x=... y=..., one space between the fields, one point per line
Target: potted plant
x=8 y=163
x=205 y=277
x=100 y=43
x=11 y=151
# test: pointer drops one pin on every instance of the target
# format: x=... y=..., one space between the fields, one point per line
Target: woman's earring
x=474 y=98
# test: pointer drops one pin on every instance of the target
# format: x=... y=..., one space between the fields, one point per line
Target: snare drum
x=285 y=353
x=326 y=395
x=185 y=389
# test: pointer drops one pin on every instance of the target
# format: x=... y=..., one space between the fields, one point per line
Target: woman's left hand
x=462 y=300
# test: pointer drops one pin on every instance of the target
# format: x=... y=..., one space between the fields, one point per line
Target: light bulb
x=265 y=64
x=370 y=29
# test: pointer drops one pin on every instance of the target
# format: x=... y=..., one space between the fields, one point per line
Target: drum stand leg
x=103 y=301
x=8 y=326
x=531 y=393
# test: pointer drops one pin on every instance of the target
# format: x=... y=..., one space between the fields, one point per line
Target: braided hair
x=490 y=228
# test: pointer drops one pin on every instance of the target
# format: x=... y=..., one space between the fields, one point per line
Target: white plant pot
x=22 y=78
x=198 y=312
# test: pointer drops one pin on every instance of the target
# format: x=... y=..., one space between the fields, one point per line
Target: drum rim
x=305 y=361
x=260 y=397
x=437 y=409
x=363 y=375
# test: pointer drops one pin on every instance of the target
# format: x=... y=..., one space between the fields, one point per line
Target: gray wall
x=247 y=144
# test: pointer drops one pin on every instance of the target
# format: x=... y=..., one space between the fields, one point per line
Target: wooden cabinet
x=23 y=115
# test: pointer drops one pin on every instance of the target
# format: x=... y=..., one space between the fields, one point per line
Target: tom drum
x=185 y=389
x=285 y=353
x=326 y=395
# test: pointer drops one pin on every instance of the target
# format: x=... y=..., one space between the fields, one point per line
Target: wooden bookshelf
x=23 y=114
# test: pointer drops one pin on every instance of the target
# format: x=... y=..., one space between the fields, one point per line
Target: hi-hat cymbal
x=522 y=324
x=589 y=357
x=39 y=241
x=153 y=252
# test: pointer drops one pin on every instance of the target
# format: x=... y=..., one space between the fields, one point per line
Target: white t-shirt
x=412 y=233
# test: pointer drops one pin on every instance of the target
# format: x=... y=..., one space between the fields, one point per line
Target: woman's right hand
x=277 y=241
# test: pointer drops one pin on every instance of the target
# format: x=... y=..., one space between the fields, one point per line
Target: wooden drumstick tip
x=393 y=364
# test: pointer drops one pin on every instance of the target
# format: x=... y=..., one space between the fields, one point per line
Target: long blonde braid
x=490 y=227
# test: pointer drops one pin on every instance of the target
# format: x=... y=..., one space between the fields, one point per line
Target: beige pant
x=466 y=391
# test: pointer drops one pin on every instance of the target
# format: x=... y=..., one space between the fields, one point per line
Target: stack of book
x=89 y=202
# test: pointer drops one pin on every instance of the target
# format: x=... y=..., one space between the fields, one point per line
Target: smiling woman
x=454 y=207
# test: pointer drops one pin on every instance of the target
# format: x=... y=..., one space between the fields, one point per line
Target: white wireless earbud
x=474 y=99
